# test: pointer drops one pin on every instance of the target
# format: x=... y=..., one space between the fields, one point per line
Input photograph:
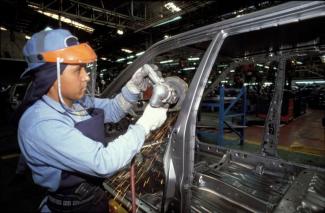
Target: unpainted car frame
x=179 y=157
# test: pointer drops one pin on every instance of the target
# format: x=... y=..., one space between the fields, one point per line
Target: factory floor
x=305 y=133
x=302 y=140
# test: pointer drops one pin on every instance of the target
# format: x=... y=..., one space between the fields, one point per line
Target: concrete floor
x=302 y=140
x=303 y=133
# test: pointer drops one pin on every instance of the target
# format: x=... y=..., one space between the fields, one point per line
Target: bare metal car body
x=208 y=178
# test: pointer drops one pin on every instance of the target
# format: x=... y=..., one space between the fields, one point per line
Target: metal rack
x=225 y=112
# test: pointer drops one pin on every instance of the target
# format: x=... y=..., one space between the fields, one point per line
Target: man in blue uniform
x=61 y=128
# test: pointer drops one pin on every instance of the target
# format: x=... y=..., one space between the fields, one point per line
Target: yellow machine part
x=116 y=207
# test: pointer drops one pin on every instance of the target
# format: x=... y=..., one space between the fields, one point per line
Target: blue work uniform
x=51 y=144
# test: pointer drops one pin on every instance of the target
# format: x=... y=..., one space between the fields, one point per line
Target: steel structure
x=99 y=15
x=187 y=185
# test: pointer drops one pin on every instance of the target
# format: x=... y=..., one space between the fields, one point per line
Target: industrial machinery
x=180 y=173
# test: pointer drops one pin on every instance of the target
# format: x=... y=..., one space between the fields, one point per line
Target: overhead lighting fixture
x=127 y=50
x=322 y=58
x=310 y=82
x=120 y=31
x=189 y=68
x=27 y=37
x=172 y=7
x=103 y=58
x=267 y=83
x=168 y=21
x=3 y=29
x=259 y=65
x=193 y=58
x=166 y=62
x=222 y=65
x=232 y=70
x=64 y=19
x=120 y=59
x=130 y=57
x=140 y=53
x=267 y=67
x=166 y=36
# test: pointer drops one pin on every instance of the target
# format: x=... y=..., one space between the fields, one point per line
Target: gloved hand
x=139 y=81
x=152 y=118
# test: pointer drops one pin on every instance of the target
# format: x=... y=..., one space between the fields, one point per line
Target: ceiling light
x=3 y=29
x=120 y=31
x=267 y=83
x=127 y=50
x=140 y=53
x=232 y=70
x=168 y=21
x=310 y=82
x=27 y=37
x=172 y=7
x=322 y=58
x=222 y=65
x=193 y=59
x=129 y=62
x=189 y=68
x=167 y=61
x=64 y=19
x=130 y=57
x=103 y=58
x=120 y=59
x=166 y=36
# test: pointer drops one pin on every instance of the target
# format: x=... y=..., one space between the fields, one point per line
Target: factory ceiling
x=142 y=22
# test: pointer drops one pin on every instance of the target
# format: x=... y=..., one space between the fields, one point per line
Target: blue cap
x=43 y=41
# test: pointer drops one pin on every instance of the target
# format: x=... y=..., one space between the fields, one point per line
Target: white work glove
x=152 y=118
x=139 y=81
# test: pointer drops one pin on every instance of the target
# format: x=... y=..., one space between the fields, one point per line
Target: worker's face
x=74 y=82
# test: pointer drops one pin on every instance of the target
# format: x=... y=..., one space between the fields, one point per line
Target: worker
x=61 y=127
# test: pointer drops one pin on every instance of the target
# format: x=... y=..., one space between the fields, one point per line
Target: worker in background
x=61 y=125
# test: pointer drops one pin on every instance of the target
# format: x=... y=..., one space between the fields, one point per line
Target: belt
x=84 y=195
x=68 y=203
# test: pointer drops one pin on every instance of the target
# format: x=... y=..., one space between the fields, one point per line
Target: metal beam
x=94 y=15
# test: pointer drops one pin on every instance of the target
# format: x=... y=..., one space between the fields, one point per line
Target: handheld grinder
x=167 y=92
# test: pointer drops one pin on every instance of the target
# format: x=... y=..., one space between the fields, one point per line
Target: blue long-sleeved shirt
x=50 y=142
